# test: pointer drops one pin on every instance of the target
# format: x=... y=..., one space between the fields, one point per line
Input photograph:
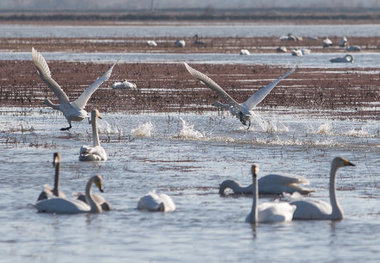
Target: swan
x=282 y=49
x=320 y=210
x=96 y=152
x=48 y=192
x=268 y=212
x=297 y=52
x=343 y=41
x=97 y=198
x=124 y=85
x=60 y=205
x=352 y=48
x=73 y=111
x=346 y=59
x=156 y=202
x=326 y=42
x=244 y=52
x=180 y=43
x=151 y=43
x=197 y=41
x=241 y=111
x=273 y=184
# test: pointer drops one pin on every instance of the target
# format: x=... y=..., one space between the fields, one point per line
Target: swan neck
x=56 y=180
x=235 y=187
x=95 y=208
x=95 y=135
x=337 y=212
x=253 y=215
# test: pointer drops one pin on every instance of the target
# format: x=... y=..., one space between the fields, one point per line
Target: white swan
x=156 y=202
x=180 y=43
x=271 y=184
x=73 y=206
x=241 y=111
x=297 y=52
x=319 y=210
x=96 y=152
x=327 y=42
x=282 y=49
x=343 y=42
x=73 y=111
x=48 y=192
x=346 y=59
x=124 y=85
x=268 y=212
x=151 y=43
x=244 y=52
x=97 y=198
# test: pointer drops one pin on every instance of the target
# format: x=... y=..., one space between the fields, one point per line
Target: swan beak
x=347 y=163
x=100 y=186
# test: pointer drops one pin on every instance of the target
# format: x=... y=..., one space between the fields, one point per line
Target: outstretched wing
x=212 y=85
x=85 y=96
x=44 y=72
x=263 y=92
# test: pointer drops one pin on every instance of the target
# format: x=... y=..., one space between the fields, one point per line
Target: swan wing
x=279 y=184
x=44 y=72
x=85 y=96
x=263 y=92
x=271 y=212
x=169 y=205
x=311 y=209
x=62 y=206
x=212 y=85
x=282 y=179
x=150 y=202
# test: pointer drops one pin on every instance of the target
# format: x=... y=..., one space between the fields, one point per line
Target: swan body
x=151 y=43
x=124 y=85
x=96 y=152
x=244 y=52
x=197 y=41
x=352 y=48
x=156 y=202
x=242 y=111
x=343 y=41
x=320 y=210
x=290 y=37
x=73 y=111
x=60 y=205
x=268 y=212
x=97 y=198
x=297 y=52
x=180 y=43
x=282 y=49
x=327 y=42
x=271 y=184
x=48 y=192
x=345 y=59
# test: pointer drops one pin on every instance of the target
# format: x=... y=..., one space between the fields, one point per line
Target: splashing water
x=324 y=129
x=143 y=130
x=188 y=131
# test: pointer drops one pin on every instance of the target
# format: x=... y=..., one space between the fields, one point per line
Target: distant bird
x=343 y=42
x=327 y=42
x=242 y=111
x=151 y=43
x=297 y=52
x=180 y=43
x=244 y=52
x=73 y=111
x=61 y=205
x=346 y=59
x=267 y=212
x=124 y=85
x=282 y=49
x=290 y=37
x=197 y=41
x=96 y=152
x=156 y=202
x=55 y=192
x=319 y=210
x=352 y=48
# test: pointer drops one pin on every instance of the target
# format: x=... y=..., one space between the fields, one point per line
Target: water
x=187 y=156
x=231 y=29
x=313 y=60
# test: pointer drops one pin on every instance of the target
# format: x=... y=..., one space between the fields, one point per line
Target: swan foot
x=66 y=129
x=249 y=125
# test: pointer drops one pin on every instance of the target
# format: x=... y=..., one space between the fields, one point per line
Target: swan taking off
x=242 y=111
x=73 y=111
x=156 y=202
x=268 y=212
x=73 y=206
x=48 y=192
x=319 y=210
x=96 y=152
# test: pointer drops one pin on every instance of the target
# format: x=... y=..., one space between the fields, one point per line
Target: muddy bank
x=170 y=88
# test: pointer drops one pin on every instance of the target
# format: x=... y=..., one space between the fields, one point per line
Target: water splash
x=143 y=130
x=188 y=131
x=324 y=129
x=358 y=132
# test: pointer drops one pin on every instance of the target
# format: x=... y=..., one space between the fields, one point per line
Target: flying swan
x=271 y=184
x=48 y=192
x=60 y=205
x=320 y=210
x=73 y=111
x=97 y=152
x=156 y=202
x=241 y=111
x=268 y=212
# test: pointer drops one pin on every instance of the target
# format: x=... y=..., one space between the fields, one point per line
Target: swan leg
x=249 y=124
x=67 y=128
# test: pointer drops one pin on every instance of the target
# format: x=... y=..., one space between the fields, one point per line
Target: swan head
x=56 y=158
x=254 y=170
x=98 y=181
x=341 y=162
x=95 y=114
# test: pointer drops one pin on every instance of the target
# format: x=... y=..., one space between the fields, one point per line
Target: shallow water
x=313 y=60
x=187 y=156
x=230 y=29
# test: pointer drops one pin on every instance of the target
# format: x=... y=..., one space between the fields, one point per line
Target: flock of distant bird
x=54 y=201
